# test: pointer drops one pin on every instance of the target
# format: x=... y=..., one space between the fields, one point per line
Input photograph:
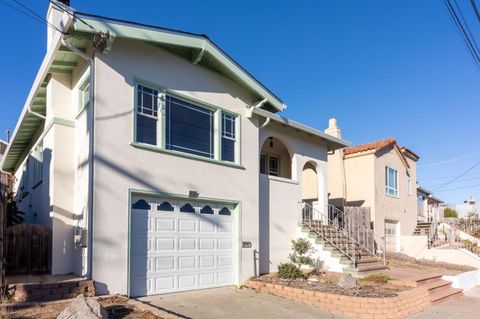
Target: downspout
x=90 y=60
x=43 y=117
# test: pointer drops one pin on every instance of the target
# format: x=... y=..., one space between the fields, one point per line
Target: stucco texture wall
x=401 y=208
x=120 y=166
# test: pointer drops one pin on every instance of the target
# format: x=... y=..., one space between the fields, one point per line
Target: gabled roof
x=197 y=48
x=372 y=146
x=409 y=153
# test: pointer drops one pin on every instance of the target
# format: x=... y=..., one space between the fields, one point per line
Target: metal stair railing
x=365 y=237
x=330 y=230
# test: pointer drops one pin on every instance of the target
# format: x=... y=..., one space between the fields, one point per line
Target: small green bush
x=450 y=213
x=289 y=271
x=302 y=250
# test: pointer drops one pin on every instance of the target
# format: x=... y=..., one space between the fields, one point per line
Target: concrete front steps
x=333 y=242
x=423 y=228
x=440 y=290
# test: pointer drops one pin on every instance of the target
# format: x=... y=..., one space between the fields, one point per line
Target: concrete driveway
x=233 y=303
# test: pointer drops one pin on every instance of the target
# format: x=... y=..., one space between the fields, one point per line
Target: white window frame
x=391 y=190
x=161 y=125
x=83 y=92
x=268 y=169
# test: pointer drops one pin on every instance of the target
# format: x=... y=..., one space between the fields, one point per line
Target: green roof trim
x=197 y=48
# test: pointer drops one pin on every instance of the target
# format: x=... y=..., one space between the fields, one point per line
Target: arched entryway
x=275 y=159
x=309 y=183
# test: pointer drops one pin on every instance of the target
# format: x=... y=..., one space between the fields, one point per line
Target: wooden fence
x=28 y=249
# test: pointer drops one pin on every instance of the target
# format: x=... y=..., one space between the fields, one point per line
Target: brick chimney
x=333 y=129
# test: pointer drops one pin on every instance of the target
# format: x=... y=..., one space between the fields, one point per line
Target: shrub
x=301 y=251
x=378 y=278
x=289 y=271
x=450 y=213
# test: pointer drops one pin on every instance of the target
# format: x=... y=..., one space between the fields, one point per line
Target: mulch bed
x=328 y=284
x=116 y=306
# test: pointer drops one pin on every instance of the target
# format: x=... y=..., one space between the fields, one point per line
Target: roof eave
x=137 y=31
x=41 y=75
x=333 y=142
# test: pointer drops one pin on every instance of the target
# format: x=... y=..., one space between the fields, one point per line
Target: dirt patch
x=117 y=307
x=327 y=283
x=403 y=261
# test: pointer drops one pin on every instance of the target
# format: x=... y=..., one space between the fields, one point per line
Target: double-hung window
x=228 y=137
x=177 y=124
x=391 y=181
x=147 y=115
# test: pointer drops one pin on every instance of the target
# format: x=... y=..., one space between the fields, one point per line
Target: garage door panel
x=164 y=225
x=206 y=226
x=187 y=262
x=206 y=279
x=225 y=243
x=187 y=225
x=173 y=251
x=207 y=261
x=187 y=243
x=187 y=281
x=164 y=244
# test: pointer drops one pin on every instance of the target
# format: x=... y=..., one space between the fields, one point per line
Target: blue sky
x=383 y=68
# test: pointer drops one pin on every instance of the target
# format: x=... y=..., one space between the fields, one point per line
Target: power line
x=456 y=182
x=457 y=177
x=463 y=33
x=450 y=160
x=474 y=6
x=457 y=188
x=31 y=14
x=444 y=177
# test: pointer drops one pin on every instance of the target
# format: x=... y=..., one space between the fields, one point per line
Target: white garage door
x=392 y=234
x=180 y=245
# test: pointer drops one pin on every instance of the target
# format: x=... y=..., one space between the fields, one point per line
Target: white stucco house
x=159 y=163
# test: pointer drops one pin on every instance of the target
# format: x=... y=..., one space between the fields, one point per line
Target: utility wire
x=474 y=6
x=463 y=33
x=445 y=177
x=456 y=182
x=31 y=14
x=457 y=188
x=450 y=160
x=457 y=177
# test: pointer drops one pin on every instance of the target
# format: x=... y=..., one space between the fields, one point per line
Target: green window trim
x=218 y=136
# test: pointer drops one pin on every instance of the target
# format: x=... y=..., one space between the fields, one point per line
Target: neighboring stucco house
x=428 y=206
x=159 y=162
x=380 y=175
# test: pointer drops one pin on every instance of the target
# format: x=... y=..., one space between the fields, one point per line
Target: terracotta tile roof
x=409 y=151
x=377 y=145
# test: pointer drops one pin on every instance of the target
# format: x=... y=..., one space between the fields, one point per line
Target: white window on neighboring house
x=391 y=181
x=37 y=159
x=84 y=94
